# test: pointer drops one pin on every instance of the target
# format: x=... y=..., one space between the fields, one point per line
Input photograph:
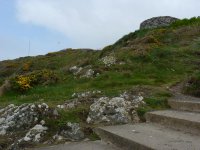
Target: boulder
x=14 y=118
x=117 y=110
x=34 y=135
x=157 y=22
x=75 y=70
x=80 y=98
x=109 y=60
x=86 y=72
x=72 y=132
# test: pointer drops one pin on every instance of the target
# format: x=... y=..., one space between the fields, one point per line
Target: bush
x=27 y=66
x=23 y=83
x=186 y=22
x=44 y=77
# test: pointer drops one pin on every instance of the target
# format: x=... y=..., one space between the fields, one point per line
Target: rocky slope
x=62 y=96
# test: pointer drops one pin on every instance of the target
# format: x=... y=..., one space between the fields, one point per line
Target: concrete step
x=179 y=120
x=89 y=145
x=184 y=105
x=147 y=136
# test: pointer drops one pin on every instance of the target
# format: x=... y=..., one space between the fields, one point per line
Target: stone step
x=179 y=120
x=184 y=105
x=89 y=145
x=147 y=136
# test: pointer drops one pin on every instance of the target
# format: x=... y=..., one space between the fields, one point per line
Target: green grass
x=156 y=101
x=186 y=22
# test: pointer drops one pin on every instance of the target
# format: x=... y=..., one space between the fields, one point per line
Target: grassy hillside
x=150 y=60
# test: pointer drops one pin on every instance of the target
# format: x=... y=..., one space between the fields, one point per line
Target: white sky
x=97 y=23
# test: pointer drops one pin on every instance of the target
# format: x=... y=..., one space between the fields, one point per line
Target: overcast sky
x=52 y=25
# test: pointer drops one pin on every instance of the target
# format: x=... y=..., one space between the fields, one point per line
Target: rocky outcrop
x=117 y=110
x=13 y=118
x=24 y=125
x=75 y=70
x=157 y=22
x=109 y=60
x=35 y=135
x=83 y=72
x=71 y=132
x=80 y=98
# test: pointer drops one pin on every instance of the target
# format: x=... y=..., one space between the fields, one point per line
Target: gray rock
x=117 y=110
x=157 y=22
x=88 y=74
x=55 y=113
x=75 y=70
x=109 y=60
x=83 y=72
x=35 y=135
x=14 y=118
x=72 y=132
x=80 y=98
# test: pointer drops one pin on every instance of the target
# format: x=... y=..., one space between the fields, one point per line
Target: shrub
x=23 y=83
x=44 y=77
x=26 y=66
x=186 y=22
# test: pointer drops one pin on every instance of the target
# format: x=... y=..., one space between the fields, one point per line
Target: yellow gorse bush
x=24 y=82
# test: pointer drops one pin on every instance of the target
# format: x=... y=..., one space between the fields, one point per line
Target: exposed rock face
x=109 y=60
x=86 y=72
x=72 y=132
x=13 y=118
x=117 y=110
x=157 y=22
x=75 y=70
x=34 y=135
x=80 y=98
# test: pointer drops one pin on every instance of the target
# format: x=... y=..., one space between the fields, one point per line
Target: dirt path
x=177 y=92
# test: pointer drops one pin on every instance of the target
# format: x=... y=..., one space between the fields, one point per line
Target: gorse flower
x=23 y=83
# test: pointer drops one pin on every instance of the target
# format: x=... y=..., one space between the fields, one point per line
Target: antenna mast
x=29 y=47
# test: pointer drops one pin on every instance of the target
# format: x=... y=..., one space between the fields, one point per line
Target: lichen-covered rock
x=14 y=118
x=72 y=132
x=80 y=98
x=88 y=74
x=109 y=60
x=117 y=110
x=156 y=22
x=75 y=70
x=35 y=135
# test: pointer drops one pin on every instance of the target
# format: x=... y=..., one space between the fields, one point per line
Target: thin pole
x=29 y=47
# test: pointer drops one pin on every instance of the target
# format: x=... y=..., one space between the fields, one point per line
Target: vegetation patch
x=192 y=86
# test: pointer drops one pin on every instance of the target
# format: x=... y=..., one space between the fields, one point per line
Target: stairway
x=175 y=129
